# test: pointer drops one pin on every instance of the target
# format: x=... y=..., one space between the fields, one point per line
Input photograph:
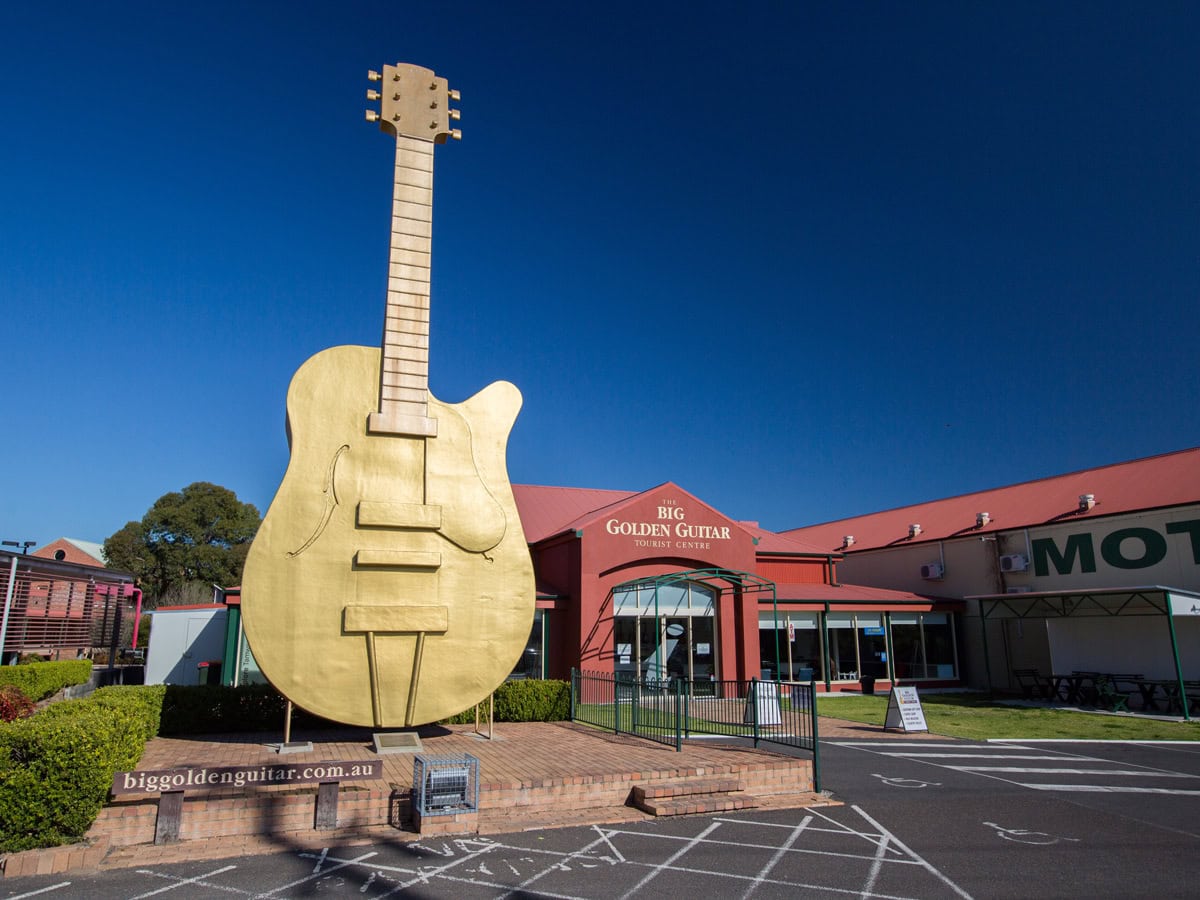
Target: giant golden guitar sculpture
x=390 y=583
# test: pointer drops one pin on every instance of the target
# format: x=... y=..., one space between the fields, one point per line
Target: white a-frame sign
x=904 y=709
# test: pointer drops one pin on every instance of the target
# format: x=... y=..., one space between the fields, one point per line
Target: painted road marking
x=1109 y=789
x=45 y=890
x=1024 y=836
x=969 y=756
x=779 y=854
x=846 y=837
x=1087 y=766
x=182 y=882
x=905 y=782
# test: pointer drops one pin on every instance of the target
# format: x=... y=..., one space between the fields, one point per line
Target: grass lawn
x=973 y=716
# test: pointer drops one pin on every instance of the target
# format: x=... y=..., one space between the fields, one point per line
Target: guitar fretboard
x=404 y=374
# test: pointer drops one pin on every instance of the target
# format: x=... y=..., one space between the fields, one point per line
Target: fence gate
x=667 y=711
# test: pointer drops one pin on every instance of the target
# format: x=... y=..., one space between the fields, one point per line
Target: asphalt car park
x=919 y=819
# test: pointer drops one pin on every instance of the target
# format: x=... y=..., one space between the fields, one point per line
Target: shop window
x=665 y=633
x=532 y=663
x=248 y=671
x=857 y=646
x=923 y=644
x=799 y=643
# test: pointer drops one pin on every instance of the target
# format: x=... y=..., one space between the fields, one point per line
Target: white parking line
x=1032 y=771
x=929 y=868
x=657 y=870
x=1108 y=789
x=779 y=854
x=968 y=755
x=45 y=890
x=183 y=882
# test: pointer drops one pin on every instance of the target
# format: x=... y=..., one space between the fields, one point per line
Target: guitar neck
x=404 y=373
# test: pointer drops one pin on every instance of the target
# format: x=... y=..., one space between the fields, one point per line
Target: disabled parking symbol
x=1025 y=836
x=905 y=782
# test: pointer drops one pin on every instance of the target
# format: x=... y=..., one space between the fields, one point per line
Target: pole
x=811 y=687
x=987 y=661
x=1183 y=697
x=8 y=595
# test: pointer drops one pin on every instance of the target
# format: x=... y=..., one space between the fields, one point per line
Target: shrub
x=40 y=680
x=13 y=703
x=56 y=767
x=212 y=709
x=527 y=700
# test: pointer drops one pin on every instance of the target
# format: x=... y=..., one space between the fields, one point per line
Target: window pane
x=530 y=663
x=906 y=645
x=625 y=645
x=703 y=649
x=676 y=648
x=806 y=655
x=766 y=652
x=625 y=602
x=872 y=651
x=842 y=647
x=651 y=637
x=939 y=649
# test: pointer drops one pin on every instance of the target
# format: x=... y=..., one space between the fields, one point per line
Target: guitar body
x=390 y=583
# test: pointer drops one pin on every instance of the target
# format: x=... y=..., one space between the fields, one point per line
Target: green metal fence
x=667 y=711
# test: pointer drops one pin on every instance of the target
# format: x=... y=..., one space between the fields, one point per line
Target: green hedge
x=528 y=700
x=40 y=680
x=212 y=709
x=56 y=767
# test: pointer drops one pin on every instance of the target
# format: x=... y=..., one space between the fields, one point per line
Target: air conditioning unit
x=1015 y=562
x=932 y=571
x=1019 y=589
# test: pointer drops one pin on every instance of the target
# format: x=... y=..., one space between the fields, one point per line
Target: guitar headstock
x=415 y=103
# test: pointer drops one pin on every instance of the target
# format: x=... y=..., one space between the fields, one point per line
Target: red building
x=659 y=582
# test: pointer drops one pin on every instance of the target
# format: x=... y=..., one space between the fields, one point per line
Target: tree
x=186 y=542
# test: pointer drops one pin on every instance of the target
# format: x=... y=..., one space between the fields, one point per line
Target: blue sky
x=805 y=260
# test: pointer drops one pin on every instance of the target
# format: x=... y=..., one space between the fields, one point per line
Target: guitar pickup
x=375 y=514
x=398 y=559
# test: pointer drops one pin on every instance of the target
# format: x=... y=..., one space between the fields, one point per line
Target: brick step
x=668 y=789
x=699 y=804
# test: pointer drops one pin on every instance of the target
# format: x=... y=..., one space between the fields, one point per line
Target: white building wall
x=1157 y=547
x=1130 y=645
x=181 y=639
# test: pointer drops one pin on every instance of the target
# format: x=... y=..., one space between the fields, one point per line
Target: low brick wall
x=273 y=812
x=262 y=812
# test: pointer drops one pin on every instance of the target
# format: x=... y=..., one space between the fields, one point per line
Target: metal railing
x=667 y=711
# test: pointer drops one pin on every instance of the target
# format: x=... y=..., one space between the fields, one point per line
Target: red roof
x=770 y=542
x=850 y=593
x=1172 y=479
x=547 y=511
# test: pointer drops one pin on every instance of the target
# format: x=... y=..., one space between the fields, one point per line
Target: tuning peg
x=373 y=95
x=455 y=95
x=372 y=116
x=456 y=134
x=455 y=114
x=372 y=75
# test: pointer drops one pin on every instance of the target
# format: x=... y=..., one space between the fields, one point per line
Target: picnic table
x=1177 y=696
x=1110 y=690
